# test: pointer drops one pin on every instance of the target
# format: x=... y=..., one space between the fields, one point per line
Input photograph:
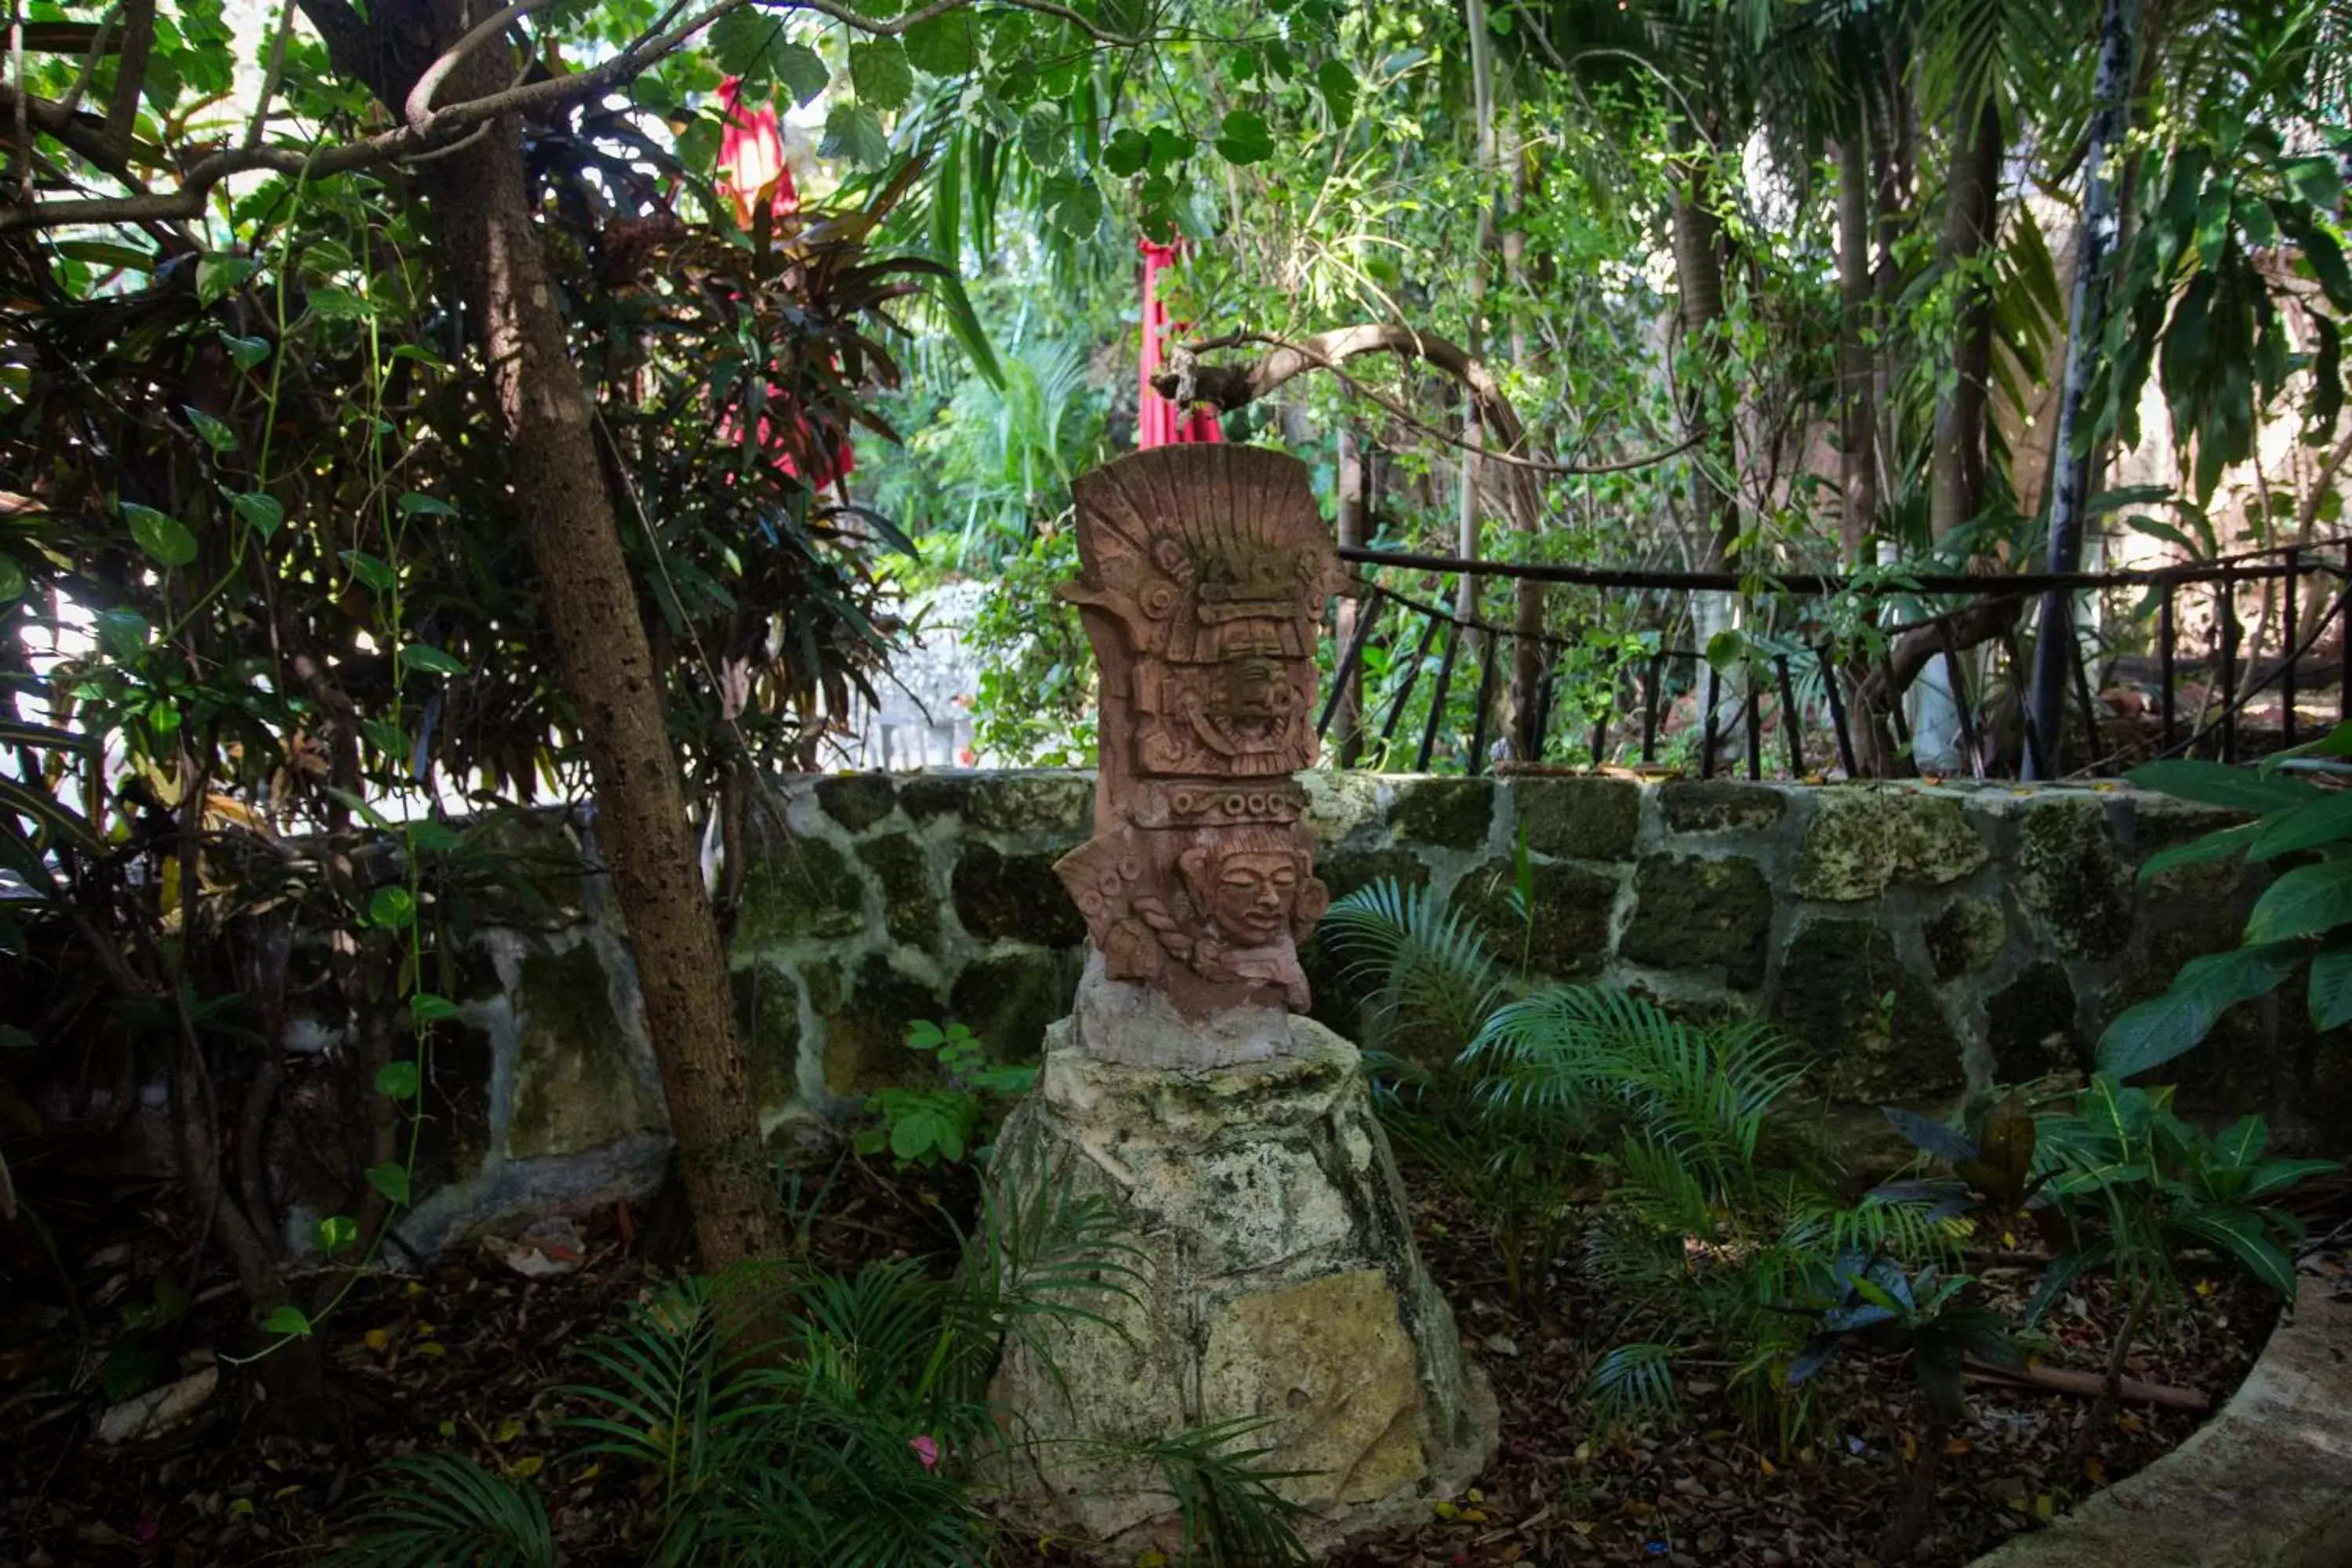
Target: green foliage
x=2302 y=919
x=444 y=1510
x=1879 y=1307
x=922 y=1126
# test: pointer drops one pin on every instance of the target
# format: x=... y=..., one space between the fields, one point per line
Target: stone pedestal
x=1276 y=1280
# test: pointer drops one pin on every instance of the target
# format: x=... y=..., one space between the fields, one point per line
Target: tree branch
x=130 y=75
x=348 y=40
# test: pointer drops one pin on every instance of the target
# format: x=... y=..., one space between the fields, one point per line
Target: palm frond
x=1634 y=1381
x=1422 y=961
x=446 y=1511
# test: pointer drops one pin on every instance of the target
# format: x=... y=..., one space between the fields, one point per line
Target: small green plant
x=2303 y=922
x=921 y=1126
x=1926 y=1318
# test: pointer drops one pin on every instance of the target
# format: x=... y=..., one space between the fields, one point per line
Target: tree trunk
x=1348 y=718
x=1699 y=284
x=1525 y=728
x=1971 y=221
x=483 y=217
x=1858 y=412
x=2054 y=650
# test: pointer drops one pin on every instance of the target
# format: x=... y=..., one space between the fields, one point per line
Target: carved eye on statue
x=1168 y=556
x=1158 y=601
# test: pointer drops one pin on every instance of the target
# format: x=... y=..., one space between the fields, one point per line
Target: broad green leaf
x=214 y=433
x=2306 y=901
x=880 y=71
x=395 y=908
x=1077 y=209
x=2242 y=1233
x=427 y=1008
x=291 y=1322
x=1169 y=147
x=2278 y=1175
x=2305 y=826
x=165 y=539
x=914 y=1134
x=2242 y=1144
x=2217 y=846
x=2163 y=1027
x=217 y=273
x=2216 y=784
x=259 y=511
x=853 y=130
x=396 y=1081
x=944 y=45
x=2330 y=993
x=2314 y=179
x=1128 y=153
x=740 y=43
x=416 y=503
x=245 y=353
x=391 y=1179
x=1244 y=138
x=372 y=570
x=1044 y=137
x=122 y=633
x=336 y=1232
x=429 y=659
x=802 y=71
x=1338 y=85
x=12 y=580
x=333 y=302
x=965 y=322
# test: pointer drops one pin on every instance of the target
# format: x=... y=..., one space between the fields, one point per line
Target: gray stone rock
x=768 y=1013
x=1009 y=1000
x=1875 y=1029
x=1861 y=839
x=807 y=887
x=901 y=865
x=1017 y=897
x=2071 y=877
x=1965 y=936
x=1448 y=813
x=1568 y=937
x=929 y=795
x=857 y=801
x=1043 y=802
x=1579 y=818
x=1276 y=1280
x=866 y=1042
x=1714 y=806
x=1704 y=914
x=576 y=1085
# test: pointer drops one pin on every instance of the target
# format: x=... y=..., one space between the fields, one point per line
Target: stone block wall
x=1920 y=941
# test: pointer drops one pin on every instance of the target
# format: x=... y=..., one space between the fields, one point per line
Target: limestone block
x=1860 y=840
x=2071 y=877
x=1695 y=913
x=911 y=904
x=1038 y=801
x=576 y=1085
x=1566 y=937
x=1451 y=814
x=1876 y=1029
x=1579 y=818
x=1966 y=936
x=1276 y=1280
x=1717 y=805
x=857 y=801
x=1016 y=897
x=1339 y=801
x=808 y=887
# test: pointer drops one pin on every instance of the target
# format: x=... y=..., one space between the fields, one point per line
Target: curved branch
x=1234 y=386
x=418 y=110
x=440 y=127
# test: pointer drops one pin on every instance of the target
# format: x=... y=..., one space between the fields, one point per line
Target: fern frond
x=1634 y=1381
x=449 y=1512
x=1423 y=963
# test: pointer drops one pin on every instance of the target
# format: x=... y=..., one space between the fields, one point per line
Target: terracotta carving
x=1205 y=571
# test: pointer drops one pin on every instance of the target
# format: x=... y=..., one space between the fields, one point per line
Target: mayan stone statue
x=1276 y=1280
x=1205 y=573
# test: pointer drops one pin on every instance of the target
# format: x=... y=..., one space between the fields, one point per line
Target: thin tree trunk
x=2071 y=453
x=483 y=214
x=1348 y=718
x=1858 y=411
x=1699 y=282
x=1958 y=479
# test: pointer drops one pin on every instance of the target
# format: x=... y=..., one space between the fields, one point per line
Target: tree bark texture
x=482 y=206
x=1348 y=718
x=1970 y=222
x=2070 y=497
x=1857 y=299
x=1697 y=235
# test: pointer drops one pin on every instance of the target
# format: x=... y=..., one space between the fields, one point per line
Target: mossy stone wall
x=1922 y=941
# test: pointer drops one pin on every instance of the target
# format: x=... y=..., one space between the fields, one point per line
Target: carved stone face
x=1253 y=894
x=1251 y=703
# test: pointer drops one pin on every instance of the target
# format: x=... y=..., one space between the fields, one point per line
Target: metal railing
x=1809 y=684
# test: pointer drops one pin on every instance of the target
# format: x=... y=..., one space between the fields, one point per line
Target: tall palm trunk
x=1971 y=221
x=1956 y=471
x=483 y=217
x=2086 y=331
x=1858 y=410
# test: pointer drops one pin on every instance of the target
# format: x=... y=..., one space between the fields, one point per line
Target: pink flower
x=926 y=1451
